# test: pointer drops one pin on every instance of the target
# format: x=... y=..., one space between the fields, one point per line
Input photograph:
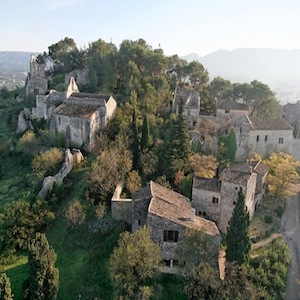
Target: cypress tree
x=238 y=237
x=135 y=141
x=231 y=145
x=181 y=142
x=145 y=142
x=5 y=290
x=43 y=276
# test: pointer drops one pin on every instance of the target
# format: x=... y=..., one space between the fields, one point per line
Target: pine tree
x=145 y=142
x=181 y=143
x=5 y=290
x=238 y=239
x=135 y=142
x=43 y=276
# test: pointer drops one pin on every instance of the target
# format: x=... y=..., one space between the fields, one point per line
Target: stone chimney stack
x=192 y=217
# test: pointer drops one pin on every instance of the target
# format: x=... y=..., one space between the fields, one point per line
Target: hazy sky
x=180 y=27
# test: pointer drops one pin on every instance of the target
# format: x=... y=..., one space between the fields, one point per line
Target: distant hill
x=14 y=67
x=280 y=69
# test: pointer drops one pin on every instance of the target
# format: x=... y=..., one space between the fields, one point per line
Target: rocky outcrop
x=24 y=122
x=70 y=160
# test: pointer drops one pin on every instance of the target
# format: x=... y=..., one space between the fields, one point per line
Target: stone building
x=168 y=213
x=191 y=99
x=215 y=199
x=291 y=113
x=37 y=83
x=81 y=76
x=234 y=110
x=80 y=115
x=261 y=135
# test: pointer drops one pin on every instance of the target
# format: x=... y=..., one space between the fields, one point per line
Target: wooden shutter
x=165 y=235
x=176 y=236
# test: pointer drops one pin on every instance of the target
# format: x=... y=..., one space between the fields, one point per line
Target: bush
x=75 y=215
x=4 y=92
x=268 y=219
x=279 y=210
x=44 y=163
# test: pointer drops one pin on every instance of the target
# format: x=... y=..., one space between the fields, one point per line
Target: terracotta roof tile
x=177 y=208
x=269 y=124
x=210 y=184
x=226 y=104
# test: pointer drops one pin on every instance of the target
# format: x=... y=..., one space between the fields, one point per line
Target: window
x=257 y=138
x=280 y=140
x=266 y=138
x=170 y=236
x=140 y=222
x=240 y=142
x=227 y=111
x=234 y=202
x=59 y=120
x=228 y=223
x=204 y=214
x=215 y=200
x=241 y=129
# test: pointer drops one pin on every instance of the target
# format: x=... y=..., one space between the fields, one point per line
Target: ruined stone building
x=168 y=213
x=81 y=76
x=234 y=110
x=37 y=82
x=291 y=113
x=191 y=99
x=80 y=115
x=215 y=199
x=261 y=135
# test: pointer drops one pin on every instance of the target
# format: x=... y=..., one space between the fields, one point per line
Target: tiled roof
x=90 y=96
x=260 y=168
x=210 y=184
x=177 y=208
x=226 y=104
x=235 y=176
x=82 y=111
x=262 y=123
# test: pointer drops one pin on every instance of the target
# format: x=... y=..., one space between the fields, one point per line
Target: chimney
x=192 y=217
x=250 y=169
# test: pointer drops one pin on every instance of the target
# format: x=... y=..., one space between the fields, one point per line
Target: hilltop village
x=117 y=149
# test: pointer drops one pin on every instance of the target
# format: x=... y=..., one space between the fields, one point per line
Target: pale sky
x=180 y=27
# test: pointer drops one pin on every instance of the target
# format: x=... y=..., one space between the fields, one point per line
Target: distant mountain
x=14 y=67
x=280 y=69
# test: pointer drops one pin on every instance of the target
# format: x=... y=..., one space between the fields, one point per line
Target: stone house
x=191 y=99
x=261 y=135
x=291 y=113
x=231 y=109
x=215 y=199
x=80 y=115
x=37 y=83
x=168 y=213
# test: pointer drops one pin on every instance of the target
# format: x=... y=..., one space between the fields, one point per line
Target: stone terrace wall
x=121 y=209
x=295 y=149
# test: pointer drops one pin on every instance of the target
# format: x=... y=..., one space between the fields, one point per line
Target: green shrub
x=196 y=147
x=268 y=219
x=45 y=163
x=279 y=210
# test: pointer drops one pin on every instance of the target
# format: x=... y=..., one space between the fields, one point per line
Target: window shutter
x=176 y=236
x=165 y=235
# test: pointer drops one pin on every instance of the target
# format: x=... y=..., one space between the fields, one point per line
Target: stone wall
x=233 y=113
x=81 y=76
x=140 y=201
x=202 y=202
x=250 y=195
x=121 y=209
x=295 y=149
x=158 y=226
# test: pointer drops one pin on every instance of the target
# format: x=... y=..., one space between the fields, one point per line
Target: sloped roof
x=226 y=104
x=90 y=96
x=235 y=176
x=210 y=184
x=82 y=111
x=263 y=123
x=260 y=168
x=177 y=208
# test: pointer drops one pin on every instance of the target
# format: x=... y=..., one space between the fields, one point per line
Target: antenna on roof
x=159 y=45
x=111 y=40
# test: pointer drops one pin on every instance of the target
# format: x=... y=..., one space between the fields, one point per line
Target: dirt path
x=265 y=242
x=290 y=230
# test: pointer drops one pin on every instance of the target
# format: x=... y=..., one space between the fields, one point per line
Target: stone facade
x=291 y=113
x=37 y=83
x=233 y=110
x=191 y=100
x=262 y=136
x=215 y=199
x=81 y=115
x=169 y=214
